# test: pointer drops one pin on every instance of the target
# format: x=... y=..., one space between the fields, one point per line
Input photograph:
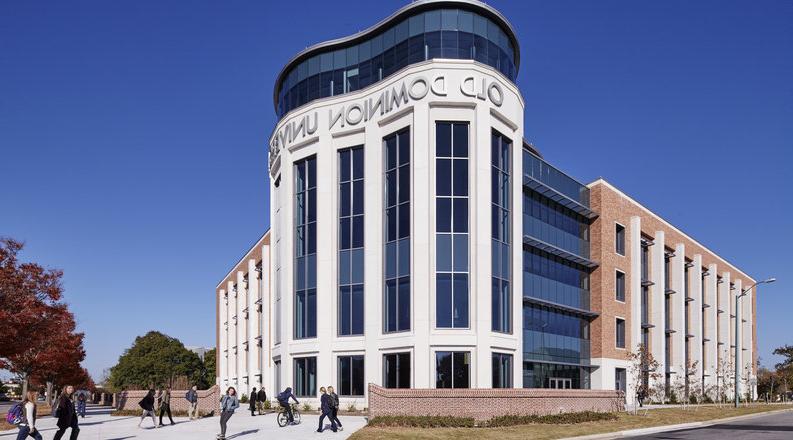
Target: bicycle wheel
x=297 y=416
x=282 y=418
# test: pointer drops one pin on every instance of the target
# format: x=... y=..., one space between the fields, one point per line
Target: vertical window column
x=452 y=369
x=451 y=239
x=502 y=370
x=501 y=294
x=396 y=370
x=351 y=231
x=396 y=301
x=306 y=248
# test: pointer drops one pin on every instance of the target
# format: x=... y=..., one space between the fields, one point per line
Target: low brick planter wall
x=208 y=400
x=484 y=404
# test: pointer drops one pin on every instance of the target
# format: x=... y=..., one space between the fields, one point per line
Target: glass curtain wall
x=351 y=231
x=501 y=299
x=396 y=293
x=306 y=248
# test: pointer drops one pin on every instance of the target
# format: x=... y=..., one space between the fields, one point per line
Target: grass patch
x=551 y=419
x=544 y=431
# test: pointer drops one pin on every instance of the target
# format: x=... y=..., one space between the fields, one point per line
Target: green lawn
x=657 y=417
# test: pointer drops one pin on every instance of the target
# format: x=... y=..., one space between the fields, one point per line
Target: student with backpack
x=192 y=397
x=228 y=404
x=283 y=400
x=67 y=417
x=23 y=415
x=334 y=409
x=252 y=402
x=261 y=397
x=147 y=404
x=326 y=403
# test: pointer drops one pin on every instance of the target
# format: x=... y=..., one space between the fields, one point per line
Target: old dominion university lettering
x=418 y=241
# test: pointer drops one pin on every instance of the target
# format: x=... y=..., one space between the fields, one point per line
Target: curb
x=666 y=428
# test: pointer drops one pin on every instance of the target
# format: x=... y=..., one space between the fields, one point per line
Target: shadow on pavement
x=754 y=427
x=240 y=434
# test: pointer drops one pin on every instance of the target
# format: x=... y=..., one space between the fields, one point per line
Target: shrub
x=267 y=405
x=551 y=419
x=306 y=406
x=423 y=421
x=351 y=407
x=244 y=398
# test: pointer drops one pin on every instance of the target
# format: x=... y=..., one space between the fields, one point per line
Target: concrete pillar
x=709 y=317
x=232 y=319
x=635 y=292
x=657 y=309
x=223 y=342
x=266 y=317
x=723 y=326
x=678 y=318
x=254 y=351
x=737 y=315
x=242 y=371
x=695 y=320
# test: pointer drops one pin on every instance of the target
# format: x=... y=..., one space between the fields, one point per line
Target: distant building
x=200 y=351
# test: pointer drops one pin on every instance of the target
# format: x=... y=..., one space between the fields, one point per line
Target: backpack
x=16 y=414
x=187 y=396
x=283 y=397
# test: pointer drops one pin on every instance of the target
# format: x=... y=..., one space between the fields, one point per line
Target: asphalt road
x=767 y=427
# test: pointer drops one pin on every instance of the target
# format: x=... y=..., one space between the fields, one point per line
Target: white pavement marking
x=100 y=425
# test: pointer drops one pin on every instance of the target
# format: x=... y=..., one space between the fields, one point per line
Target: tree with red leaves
x=39 y=339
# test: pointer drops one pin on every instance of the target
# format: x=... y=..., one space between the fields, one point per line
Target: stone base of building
x=484 y=404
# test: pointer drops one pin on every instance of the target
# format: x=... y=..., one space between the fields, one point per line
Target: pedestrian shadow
x=240 y=434
x=121 y=438
x=754 y=427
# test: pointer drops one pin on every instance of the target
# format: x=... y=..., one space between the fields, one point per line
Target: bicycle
x=282 y=417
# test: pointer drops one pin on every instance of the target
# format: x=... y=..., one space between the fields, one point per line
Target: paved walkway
x=100 y=425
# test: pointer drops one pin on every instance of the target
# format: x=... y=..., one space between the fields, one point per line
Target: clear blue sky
x=133 y=135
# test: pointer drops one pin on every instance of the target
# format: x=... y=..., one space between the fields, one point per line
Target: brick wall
x=208 y=400
x=484 y=404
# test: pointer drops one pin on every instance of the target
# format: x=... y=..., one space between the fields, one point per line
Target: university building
x=417 y=241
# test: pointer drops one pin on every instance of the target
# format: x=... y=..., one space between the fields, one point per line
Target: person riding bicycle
x=283 y=400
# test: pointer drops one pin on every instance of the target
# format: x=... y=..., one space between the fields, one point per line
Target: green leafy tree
x=210 y=368
x=155 y=360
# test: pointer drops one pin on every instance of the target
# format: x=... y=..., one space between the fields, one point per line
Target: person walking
x=81 y=404
x=67 y=417
x=165 y=405
x=334 y=415
x=27 y=427
x=327 y=411
x=147 y=404
x=192 y=398
x=228 y=404
x=283 y=400
x=261 y=397
x=252 y=402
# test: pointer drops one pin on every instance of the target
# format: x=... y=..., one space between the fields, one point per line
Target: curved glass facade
x=443 y=33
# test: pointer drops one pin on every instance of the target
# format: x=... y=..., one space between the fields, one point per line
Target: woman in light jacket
x=228 y=404
x=28 y=425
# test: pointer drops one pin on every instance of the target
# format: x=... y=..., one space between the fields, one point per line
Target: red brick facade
x=484 y=404
x=208 y=400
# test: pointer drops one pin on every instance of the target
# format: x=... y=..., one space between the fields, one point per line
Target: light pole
x=737 y=340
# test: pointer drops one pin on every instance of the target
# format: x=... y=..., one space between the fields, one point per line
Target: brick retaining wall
x=208 y=400
x=484 y=404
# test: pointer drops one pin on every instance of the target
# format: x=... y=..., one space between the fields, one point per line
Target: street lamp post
x=737 y=399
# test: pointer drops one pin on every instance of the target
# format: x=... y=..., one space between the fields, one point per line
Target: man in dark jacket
x=261 y=397
x=283 y=400
x=67 y=417
x=326 y=403
x=192 y=397
x=252 y=402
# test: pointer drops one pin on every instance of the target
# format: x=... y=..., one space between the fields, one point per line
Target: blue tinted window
x=396 y=295
x=448 y=33
x=351 y=232
x=501 y=295
x=305 y=248
x=451 y=237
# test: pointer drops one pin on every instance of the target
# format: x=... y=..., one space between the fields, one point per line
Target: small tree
x=643 y=370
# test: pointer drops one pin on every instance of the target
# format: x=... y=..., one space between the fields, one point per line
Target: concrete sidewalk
x=100 y=425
